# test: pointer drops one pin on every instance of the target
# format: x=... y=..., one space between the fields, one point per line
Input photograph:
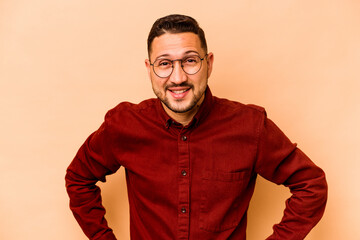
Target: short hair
x=175 y=23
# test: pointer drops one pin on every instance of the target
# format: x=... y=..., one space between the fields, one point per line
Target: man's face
x=179 y=92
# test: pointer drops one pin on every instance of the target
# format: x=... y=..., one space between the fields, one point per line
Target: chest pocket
x=221 y=207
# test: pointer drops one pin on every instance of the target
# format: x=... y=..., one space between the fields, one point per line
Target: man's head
x=178 y=65
x=175 y=23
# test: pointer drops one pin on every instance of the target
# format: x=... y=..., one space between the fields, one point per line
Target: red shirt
x=193 y=182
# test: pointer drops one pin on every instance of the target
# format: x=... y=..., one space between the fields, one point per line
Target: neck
x=185 y=117
x=182 y=118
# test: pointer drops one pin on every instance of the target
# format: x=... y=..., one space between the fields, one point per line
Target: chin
x=180 y=108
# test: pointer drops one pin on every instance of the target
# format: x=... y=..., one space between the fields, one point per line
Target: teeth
x=178 y=92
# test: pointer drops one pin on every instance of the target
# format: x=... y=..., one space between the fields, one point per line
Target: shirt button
x=183 y=210
x=183 y=172
x=184 y=138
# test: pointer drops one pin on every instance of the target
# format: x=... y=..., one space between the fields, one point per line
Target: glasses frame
x=182 y=67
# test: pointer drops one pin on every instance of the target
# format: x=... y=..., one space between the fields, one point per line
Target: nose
x=178 y=75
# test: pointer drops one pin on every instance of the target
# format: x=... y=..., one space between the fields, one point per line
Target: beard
x=180 y=106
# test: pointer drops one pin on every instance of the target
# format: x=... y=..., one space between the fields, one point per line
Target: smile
x=179 y=93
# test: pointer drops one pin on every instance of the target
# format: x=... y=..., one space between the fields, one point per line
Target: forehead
x=175 y=45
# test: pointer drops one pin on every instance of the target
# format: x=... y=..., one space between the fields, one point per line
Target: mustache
x=184 y=84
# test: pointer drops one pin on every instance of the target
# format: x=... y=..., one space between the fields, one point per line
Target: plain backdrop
x=64 y=63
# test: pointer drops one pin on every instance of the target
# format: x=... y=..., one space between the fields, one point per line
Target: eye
x=191 y=60
x=163 y=63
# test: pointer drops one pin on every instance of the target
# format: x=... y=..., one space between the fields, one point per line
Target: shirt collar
x=199 y=116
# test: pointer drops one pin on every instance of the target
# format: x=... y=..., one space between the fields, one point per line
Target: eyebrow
x=168 y=55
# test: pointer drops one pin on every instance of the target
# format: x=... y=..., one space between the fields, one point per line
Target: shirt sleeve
x=91 y=164
x=281 y=162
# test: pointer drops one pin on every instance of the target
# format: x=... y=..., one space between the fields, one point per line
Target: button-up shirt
x=195 y=181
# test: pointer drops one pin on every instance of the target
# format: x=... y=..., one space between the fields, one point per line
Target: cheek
x=202 y=79
x=157 y=82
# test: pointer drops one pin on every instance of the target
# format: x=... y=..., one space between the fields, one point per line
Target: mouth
x=179 y=92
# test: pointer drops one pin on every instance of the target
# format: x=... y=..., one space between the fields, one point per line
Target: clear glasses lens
x=190 y=65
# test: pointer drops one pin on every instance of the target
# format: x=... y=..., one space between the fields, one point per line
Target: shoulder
x=243 y=119
x=226 y=106
x=125 y=108
x=126 y=112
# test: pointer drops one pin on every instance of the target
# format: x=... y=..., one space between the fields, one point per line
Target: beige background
x=63 y=64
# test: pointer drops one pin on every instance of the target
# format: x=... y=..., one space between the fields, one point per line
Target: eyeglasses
x=190 y=65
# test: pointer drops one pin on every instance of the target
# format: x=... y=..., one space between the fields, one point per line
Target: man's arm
x=281 y=162
x=90 y=165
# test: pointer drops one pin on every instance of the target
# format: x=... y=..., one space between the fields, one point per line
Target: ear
x=148 y=67
x=210 y=61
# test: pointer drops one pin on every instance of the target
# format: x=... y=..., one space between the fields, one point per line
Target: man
x=191 y=159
